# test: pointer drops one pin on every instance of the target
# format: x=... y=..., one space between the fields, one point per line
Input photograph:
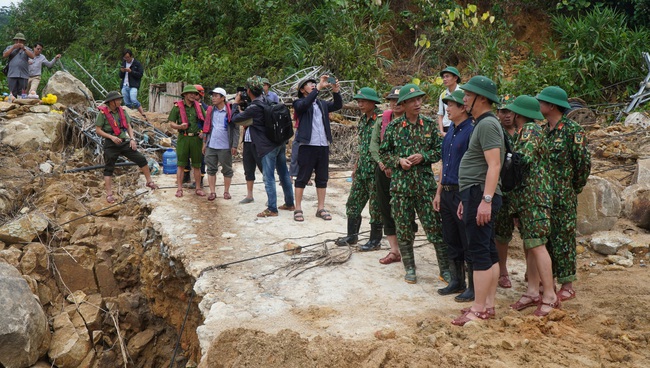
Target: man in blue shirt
x=447 y=198
x=270 y=95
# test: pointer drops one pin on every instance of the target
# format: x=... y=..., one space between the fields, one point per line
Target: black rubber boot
x=354 y=224
x=457 y=283
x=374 y=243
x=186 y=176
x=468 y=294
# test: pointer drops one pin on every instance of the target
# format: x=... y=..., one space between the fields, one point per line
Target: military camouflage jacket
x=365 y=162
x=570 y=161
x=536 y=187
x=402 y=139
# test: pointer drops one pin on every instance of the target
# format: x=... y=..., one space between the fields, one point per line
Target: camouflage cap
x=255 y=83
x=266 y=81
x=505 y=100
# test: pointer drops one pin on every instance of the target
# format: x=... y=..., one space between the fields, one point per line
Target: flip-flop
x=179 y=193
x=212 y=196
x=226 y=195
x=110 y=198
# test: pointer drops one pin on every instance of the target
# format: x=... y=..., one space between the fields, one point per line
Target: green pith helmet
x=112 y=95
x=482 y=86
x=450 y=69
x=526 y=106
x=555 y=95
x=456 y=96
x=189 y=89
x=367 y=93
x=19 y=36
x=394 y=93
x=408 y=92
x=266 y=81
x=505 y=100
x=255 y=83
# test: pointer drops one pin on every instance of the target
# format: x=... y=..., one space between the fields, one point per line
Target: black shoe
x=457 y=283
x=354 y=223
x=375 y=238
x=468 y=294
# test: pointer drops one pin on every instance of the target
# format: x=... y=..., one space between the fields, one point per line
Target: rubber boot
x=186 y=176
x=457 y=283
x=443 y=262
x=193 y=185
x=375 y=238
x=354 y=224
x=408 y=260
x=468 y=294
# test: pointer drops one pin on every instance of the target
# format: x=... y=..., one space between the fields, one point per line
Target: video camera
x=245 y=98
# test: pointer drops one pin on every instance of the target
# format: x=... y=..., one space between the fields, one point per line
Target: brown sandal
x=298 y=216
x=267 y=213
x=110 y=198
x=490 y=311
x=539 y=313
x=463 y=318
x=565 y=294
x=179 y=193
x=212 y=196
x=152 y=185
x=324 y=214
x=390 y=258
x=504 y=282
x=199 y=192
x=519 y=305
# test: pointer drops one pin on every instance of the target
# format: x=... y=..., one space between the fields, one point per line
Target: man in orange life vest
x=185 y=116
x=114 y=125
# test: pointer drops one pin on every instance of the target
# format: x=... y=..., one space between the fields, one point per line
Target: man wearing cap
x=36 y=66
x=220 y=140
x=272 y=155
x=411 y=144
x=314 y=137
x=114 y=125
x=447 y=198
x=131 y=72
x=185 y=116
x=531 y=203
x=480 y=192
x=188 y=168
x=18 y=63
x=570 y=166
x=450 y=79
x=504 y=225
x=270 y=95
x=383 y=174
x=363 y=176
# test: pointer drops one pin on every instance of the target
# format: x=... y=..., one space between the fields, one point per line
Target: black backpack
x=277 y=119
x=512 y=172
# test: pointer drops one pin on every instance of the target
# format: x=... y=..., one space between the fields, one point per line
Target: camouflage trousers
x=562 y=240
x=363 y=190
x=504 y=224
x=403 y=209
x=535 y=226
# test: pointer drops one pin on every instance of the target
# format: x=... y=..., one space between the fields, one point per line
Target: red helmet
x=200 y=89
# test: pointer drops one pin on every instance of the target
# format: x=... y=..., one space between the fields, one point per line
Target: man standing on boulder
x=18 y=64
x=36 y=67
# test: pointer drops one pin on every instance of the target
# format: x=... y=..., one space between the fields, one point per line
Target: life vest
x=116 y=128
x=207 y=127
x=199 y=113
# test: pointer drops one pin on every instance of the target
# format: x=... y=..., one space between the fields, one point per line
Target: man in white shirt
x=36 y=65
x=451 y=79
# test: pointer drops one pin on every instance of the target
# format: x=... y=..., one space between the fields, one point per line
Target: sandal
x=287 y=208
x=267 y=213
x=324 y=214
x=110 y=198
x=212 y=196
x=179 y=193
x=519 y=305
x=464 y=318
x=565 y=294
x=199 y=192
x=152 y=185
x=390 y=258
x=298 y=216
x=504 y=282
x=226 y=195
x=539 y=313
x=490 y=311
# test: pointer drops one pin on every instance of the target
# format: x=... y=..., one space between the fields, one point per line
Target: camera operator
x=271 y=154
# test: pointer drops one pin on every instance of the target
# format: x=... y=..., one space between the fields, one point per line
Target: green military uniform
x=570 y=164
x=188 y=145
x=106 y=126
x=504 y=225
x=363 y=185
x=413 y=190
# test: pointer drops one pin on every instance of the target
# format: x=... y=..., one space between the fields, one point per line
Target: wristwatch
x=487 y=198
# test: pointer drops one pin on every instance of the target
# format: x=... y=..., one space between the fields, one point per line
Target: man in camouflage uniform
x=363 y=176
x=411 y=144
x=531 y=203
x=570 y=166
x=504 y=225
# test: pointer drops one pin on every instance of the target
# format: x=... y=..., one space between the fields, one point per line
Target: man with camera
x=17 y=70
x=271 y=154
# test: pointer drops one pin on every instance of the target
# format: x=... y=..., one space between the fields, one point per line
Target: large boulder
x=31 y=132
x=609 y=242
x=76 y=266
x=642 y=171
x=70 y=345
x=636 y=204
x=637 y=119
x=68 y=89
x=24 y=334
x=599 y=206
x=23 y=229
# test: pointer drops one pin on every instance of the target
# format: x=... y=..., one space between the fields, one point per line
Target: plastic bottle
x=169 y=161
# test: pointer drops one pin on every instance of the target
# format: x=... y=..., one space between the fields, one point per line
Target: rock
x=639 y=249
x=138 y=342
x=23 y=229
x=69 y=346
x=68 y=89
x=76 y=297
x=40 y=109
x=34 y=259
x=76 y=268
x=507 y=345
x=108 y=286
x=642 y=171
x=614 y=268
x=24 y=333
x=627 y=263
x=90 y=310
x=637 y=119
x=46 y=167
x=599 y=206
x=636 y=204
x=11 y=256
x=608 y=242
x=31 y=132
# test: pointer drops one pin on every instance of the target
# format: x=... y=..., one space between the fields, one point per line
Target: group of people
x=464 y=213
x=24 y=66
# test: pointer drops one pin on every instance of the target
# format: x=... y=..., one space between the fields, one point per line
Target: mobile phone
x=331 y=80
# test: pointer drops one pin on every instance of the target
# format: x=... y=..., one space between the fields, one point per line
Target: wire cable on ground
x=180 y=334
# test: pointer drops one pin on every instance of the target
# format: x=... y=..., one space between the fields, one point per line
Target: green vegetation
x=594 y=45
